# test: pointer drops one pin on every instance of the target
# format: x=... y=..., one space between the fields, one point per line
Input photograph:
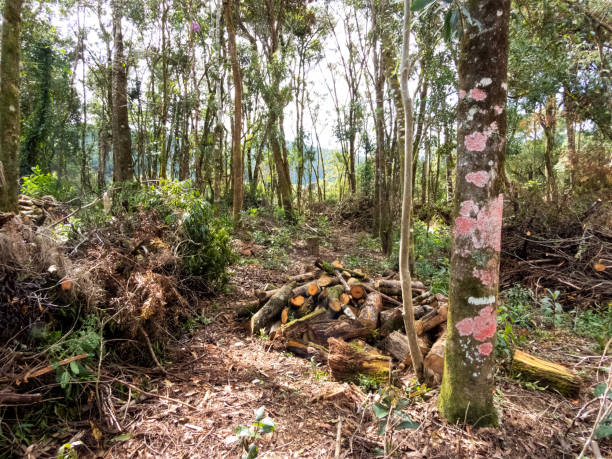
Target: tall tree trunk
x=549 y=124
x=237 y=158
x=570 y=119
x=163 y=158
x=123 y=169
x=9 y=106
x=405 y=239
x=469 y=360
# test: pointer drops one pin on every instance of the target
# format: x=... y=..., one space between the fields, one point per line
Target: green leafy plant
x=595 y=324
x=317 y=373
x=68 y=451
x=552 y=309
x=603 y=428
x=388 y=410
x=367 y=383
x=248 y=435
x=39 y=184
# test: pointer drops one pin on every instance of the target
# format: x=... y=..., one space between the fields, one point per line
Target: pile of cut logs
x=355 y=325
x=341 y=317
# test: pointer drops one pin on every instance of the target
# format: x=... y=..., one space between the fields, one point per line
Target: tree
x=405 y=239
x=123 y=169
x=237 y=158
x=467 y=385
x=9 y=106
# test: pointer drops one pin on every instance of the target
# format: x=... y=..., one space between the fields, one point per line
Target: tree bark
x=10 y=117
x=237 y=159
x=467 y=386
x=405 y=239
x=123 y=169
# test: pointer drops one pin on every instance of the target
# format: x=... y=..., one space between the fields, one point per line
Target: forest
x=306 y=228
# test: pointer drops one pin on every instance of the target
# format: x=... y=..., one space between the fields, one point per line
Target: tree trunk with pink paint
x=467 y=385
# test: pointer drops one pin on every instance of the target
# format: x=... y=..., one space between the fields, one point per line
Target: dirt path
x=220 y=375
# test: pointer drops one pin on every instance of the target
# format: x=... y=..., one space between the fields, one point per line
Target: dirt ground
x=220 y=375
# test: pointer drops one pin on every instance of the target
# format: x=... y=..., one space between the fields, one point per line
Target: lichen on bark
x=467 y=386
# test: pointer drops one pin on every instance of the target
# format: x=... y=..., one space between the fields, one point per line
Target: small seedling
x=247 y=435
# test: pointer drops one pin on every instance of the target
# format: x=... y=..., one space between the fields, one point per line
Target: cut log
x=313 y=289
x=337 y=265
x=370 y=311
x=333 y=297
x=355 y=288
x=555 y=376
x=394 y=287
x=306 y=308
x=386 y=298
x=312 y=286
x=297 y=301
x=393 y=319
x=330 y=269
x=307 y=351
x=397 y=345
x=431 y=319
x=247 y=310
x=347 y=361
x=284 y=315
x=434 y=361
x=304 y=277
x=326 y=281
x=345 y=298
x=318 y=327
x=272 y=309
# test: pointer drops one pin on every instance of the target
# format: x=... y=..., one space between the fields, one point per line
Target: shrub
x=39 y=184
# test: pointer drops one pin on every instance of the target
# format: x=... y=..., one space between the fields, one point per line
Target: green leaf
x=252 y=453
x=259 y=413
x=74 y=366
x=243 y=431
x=123 y=437
x=64 y=379
x=600 y=389
x=267 y=425
x=603 y=431
x=382 y=427
x=402 y=403
x=420 y=4
x=407 y=425
x=380 y=411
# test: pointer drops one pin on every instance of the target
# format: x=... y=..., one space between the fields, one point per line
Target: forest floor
x=219 y=374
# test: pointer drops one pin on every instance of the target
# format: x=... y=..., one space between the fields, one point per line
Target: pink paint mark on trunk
x=485 y=348
x=476 y=141
x=481 y=327
x=498 y=110
x=462 y=94
x=489 y=224
x=478 y=94
x=486 y=276
x=465 y=326
x=464 y=226
x=480 y=178
x=485 y=324
x=467 y=207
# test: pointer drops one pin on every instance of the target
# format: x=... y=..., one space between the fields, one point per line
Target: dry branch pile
x=341 y=317
x=562 y=251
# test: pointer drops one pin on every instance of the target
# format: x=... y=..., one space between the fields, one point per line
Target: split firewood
x=555 y=376
x=434 y=360
x=397 y=345
x=394 y=287
x=304 y=277
x=370 y=311
x=349 y=360
x=393 y=319
x=431 y=319
x=307 y=351
x=319 y=326
x=306 y=308
x=297 y=301
x=272 y=309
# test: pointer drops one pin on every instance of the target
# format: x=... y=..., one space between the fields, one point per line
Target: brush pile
x=354 y=324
